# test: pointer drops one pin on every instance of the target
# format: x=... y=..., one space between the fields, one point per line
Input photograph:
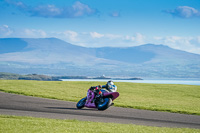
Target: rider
x=109 y=86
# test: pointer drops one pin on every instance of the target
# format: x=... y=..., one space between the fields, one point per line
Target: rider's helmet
x=110 y=85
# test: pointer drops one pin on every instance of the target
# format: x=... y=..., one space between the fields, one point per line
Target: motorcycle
x=98 y=98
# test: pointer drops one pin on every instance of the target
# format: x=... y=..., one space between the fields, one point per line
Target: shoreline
x=150 y=81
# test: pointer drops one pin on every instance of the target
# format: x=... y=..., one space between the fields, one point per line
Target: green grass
x=157 y=97
x=16 y=124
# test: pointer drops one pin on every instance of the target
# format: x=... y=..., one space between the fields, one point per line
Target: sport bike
x=97 y=98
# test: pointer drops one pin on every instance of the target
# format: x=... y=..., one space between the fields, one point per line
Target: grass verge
x=17 y=124
x=157 y=97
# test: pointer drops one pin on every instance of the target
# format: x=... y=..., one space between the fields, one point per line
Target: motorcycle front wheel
x=81 y=103
x=104 y=104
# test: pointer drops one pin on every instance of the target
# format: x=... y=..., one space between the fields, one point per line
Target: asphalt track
x=12 y=104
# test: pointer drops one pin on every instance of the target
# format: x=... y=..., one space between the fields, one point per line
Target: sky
x=105 y=23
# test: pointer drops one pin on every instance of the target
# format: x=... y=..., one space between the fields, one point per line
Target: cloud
x=96 y=35
x=78 y=9
x=115 y=14
x=113 y=36
x=138 y=38
x=72 y=35
x=5 y=30
x=19 y=4
x=32 y=33
x=107 y=36
x=184 y=12
x=95 y=39
x=189 y=44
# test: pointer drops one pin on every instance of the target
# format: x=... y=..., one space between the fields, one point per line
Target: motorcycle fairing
x=90 y=96
x=114 y=94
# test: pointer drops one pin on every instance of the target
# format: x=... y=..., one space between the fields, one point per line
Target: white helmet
x=110 y=83
x=111 y=86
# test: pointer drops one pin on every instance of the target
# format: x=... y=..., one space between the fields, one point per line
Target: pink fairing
x=90 y=97
x=114 y=94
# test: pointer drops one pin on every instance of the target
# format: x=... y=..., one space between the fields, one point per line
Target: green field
x=16 y=124
x=158 y=97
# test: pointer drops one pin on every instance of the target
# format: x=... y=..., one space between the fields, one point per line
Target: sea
x=153 y=81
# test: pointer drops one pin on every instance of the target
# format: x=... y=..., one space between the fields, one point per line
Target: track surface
x=12 y=104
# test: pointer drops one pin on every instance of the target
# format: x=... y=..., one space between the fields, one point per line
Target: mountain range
x=53 y=56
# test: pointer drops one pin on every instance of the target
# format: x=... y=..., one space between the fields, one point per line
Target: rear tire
x=81 y=103
x=105 y=104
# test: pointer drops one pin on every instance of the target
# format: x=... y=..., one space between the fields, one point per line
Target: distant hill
x=52 y=56
x=12 y=76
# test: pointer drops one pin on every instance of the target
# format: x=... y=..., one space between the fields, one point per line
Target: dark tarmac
x=12 y=104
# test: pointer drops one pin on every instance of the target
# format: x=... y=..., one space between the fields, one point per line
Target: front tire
x=81 y=103
x=104 y=104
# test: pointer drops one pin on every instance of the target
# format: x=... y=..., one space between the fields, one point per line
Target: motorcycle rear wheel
x=105 y=104
x=81 y=103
